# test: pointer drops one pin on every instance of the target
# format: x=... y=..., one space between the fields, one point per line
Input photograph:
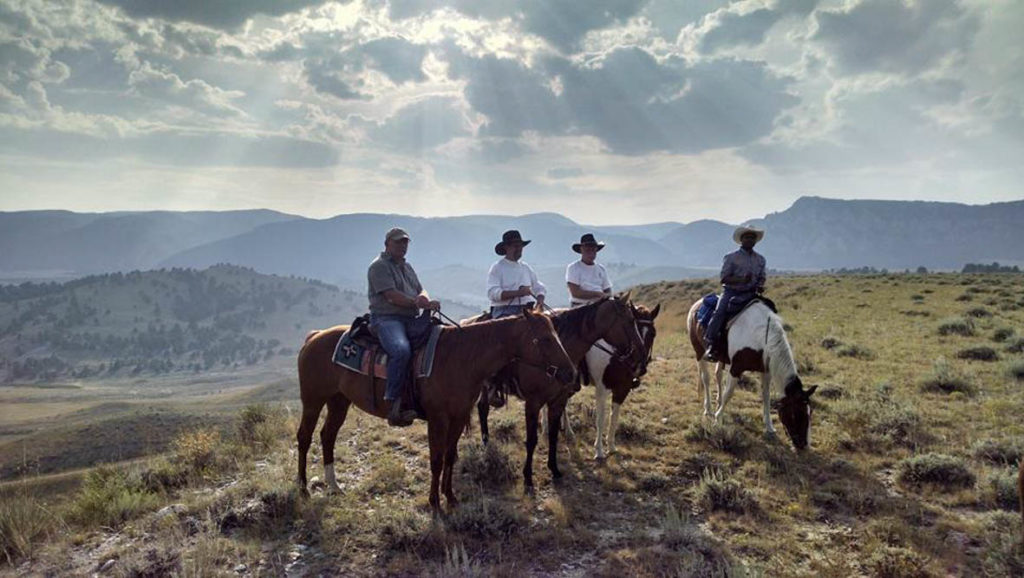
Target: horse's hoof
x=612 y=451
x=771 y=436
x=333 y=490
x=600 y=456
x=529 y=490
x=556 y=475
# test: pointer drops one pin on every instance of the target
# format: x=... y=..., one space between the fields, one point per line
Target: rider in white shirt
x=587 y=279
x=511 y=284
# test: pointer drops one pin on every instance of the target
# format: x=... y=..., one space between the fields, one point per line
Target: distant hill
x=813 y=234
x=85 y=243
x=156 y=322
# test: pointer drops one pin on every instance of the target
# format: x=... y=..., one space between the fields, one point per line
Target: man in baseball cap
x=396 y=301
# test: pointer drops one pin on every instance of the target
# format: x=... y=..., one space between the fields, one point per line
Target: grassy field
x=917 y=432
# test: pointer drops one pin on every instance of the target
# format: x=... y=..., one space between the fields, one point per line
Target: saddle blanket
x=710 y=302
x=357 y=357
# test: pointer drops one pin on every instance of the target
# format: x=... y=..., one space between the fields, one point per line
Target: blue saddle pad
x=707 y=309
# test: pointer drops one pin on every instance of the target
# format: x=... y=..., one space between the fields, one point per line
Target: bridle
x=549 y=369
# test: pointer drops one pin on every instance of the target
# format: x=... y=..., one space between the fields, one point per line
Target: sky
x=607 y=111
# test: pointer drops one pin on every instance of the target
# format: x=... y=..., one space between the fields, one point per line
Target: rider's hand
x=540 y=300
x=525 y=290
x=422 y=302
x=434 y=305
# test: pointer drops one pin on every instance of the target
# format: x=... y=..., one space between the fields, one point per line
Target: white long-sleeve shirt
x=508 y=275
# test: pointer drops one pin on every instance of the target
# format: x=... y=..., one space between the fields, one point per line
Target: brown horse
x=464 y=358
x=610 y=319
x=757 y=342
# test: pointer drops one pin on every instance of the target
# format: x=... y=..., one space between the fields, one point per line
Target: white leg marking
x=766 y=385
x=600 y=393
x=330 y=480
x=613 y=426
x=705 y=381
x=730 y=383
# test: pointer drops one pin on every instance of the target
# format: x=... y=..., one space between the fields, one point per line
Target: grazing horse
x=757 y=342
x=464 y=358
x=610 y=319
x=611 y=375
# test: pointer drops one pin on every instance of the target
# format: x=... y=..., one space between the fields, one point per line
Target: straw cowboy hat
x=509 y=237
x=587 y=239
x=743 y=229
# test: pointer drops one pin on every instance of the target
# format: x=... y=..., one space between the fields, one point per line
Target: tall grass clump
x=1016 y=346
x=489 y=466
x=1001 y=489
x=261 y=426
x=956 y=326
x=109 y=497
x=25 y=522
x=196 y=452
x=978 y=312
x=718 y=492
x=945 y=379
x=999 y=452
x=1002 y=334
x=937 y=470
x=980 y=353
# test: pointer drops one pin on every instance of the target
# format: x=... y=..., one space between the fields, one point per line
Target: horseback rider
x=587 y=279
x=396 y=301
x=512 y=286
x=742 y=277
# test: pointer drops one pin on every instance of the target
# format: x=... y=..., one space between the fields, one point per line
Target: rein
x=450 y=321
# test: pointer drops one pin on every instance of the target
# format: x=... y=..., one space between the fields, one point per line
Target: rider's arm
x=581 y=293
x=399 y=299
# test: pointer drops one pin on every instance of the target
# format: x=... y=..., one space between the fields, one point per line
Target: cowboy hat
x=587 y=239
x=742 y=230
x=509 y=237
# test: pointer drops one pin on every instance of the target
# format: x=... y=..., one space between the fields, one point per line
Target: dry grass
x=885 y=490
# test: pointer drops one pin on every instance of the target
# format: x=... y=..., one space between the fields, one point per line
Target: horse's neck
x=781 y=365
x=495 y=336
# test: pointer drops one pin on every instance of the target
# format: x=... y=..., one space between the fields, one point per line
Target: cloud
x=895 y=37
x=342 y=73
x=422 y=125
x=563 y=23
x=560 y=173
x=194 y=94
x=224 y=14
x=727 y=29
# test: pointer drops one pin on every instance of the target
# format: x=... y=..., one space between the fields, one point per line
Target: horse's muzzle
x=565 y=376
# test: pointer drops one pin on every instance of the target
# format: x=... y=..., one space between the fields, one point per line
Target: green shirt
x=386 y=273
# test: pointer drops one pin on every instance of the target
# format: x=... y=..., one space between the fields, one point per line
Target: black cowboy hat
x=509 y=237
x=587 y=239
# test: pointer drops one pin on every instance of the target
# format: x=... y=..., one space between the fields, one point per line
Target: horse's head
x=795 y=412
x=645 y=325
x=540 y=347
x=618 y=327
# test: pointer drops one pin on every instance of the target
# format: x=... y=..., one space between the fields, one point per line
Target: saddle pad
x=707 y=309
x=357 y=357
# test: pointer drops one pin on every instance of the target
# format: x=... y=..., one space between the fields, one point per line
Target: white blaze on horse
x=757 y=342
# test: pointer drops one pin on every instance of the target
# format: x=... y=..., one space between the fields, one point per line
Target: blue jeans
x=395 y=332
x=724 y=304
x=499 y=311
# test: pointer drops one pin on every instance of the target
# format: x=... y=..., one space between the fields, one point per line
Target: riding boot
x=399 y=418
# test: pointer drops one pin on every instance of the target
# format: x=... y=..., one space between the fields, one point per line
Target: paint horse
x=611 y=375
x=464 y=358
x=610 y=319
x=757 y=342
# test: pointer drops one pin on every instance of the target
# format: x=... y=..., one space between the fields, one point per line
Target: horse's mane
x=467 y=338
x=569 y=323
x=780 y=356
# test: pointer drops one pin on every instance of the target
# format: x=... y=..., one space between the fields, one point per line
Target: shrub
x=897 y=562
x=1001 y=489
x=981 y=353
x=717 y=492
x=901 y=426
x=485 y=518
x=956 y=326
x=724 y=437
x=830 y=342
x=999 y=452
x=259 y=426
x=388 y=474
x=24 y=523
x=1016 y=346
x=945 y=379
x=1016 y=370
x=939 y=470
x=978 y=312
x=488 y=466
x=855 y=351
x=196 y=451
x=1002 y=334
x=965 y=297
x=110 y=497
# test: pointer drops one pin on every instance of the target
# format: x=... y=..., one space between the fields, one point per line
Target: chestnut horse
x=610 y=319
x=757 y=342
x=464 y=358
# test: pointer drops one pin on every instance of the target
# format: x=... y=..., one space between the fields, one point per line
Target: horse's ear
x=655 y=311
x=627 y=295
x=809 y=392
